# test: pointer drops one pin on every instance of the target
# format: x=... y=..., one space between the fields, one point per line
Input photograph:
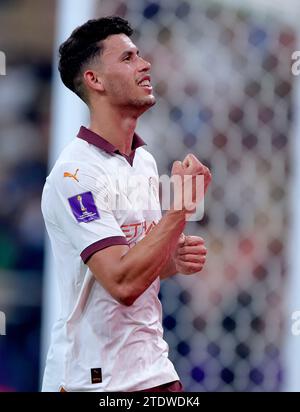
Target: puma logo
x=71 y=175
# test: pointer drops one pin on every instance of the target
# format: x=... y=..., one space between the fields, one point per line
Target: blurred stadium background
x=222 y=76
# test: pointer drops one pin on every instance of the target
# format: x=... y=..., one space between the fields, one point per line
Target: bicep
x=106 y=267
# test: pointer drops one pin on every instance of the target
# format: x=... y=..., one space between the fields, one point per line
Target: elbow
x=127 y=301
x=121 y=292
x=125 y=297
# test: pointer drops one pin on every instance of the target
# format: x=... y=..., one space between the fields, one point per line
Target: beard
x=142 y=104
x=124 y=97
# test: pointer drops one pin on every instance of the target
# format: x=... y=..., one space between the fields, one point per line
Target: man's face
x=125 y=75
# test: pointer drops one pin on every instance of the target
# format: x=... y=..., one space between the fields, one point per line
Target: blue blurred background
x=222 y=76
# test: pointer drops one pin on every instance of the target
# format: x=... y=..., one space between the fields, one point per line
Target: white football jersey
x=94 y=198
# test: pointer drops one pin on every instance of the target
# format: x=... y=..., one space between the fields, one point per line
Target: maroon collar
x=98 y=141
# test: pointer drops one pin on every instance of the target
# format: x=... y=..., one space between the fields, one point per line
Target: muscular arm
x=126 y=273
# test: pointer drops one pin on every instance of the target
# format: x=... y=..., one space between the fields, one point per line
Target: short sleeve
x=78 y=200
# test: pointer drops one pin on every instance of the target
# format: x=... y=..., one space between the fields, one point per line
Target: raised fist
x=186 y=176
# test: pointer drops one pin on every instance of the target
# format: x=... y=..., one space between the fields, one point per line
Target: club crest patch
x=83 y=207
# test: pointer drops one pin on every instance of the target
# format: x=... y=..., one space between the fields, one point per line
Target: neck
x=114 y=126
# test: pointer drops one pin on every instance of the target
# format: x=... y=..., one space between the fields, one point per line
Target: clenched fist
x=184 y=175
x=190 y=255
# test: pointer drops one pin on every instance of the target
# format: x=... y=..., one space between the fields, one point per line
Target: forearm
x=169 y=269
x=145 y=261
x=126 y=273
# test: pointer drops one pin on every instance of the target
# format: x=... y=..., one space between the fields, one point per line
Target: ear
x=93 y=80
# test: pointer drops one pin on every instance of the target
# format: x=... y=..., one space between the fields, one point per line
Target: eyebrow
x=129 y=52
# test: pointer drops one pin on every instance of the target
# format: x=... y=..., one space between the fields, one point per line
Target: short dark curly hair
x=84 y=44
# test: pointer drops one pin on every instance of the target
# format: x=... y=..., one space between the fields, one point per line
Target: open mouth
x=145 y=82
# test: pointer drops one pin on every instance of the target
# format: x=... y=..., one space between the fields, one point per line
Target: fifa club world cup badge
x=84 y=208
